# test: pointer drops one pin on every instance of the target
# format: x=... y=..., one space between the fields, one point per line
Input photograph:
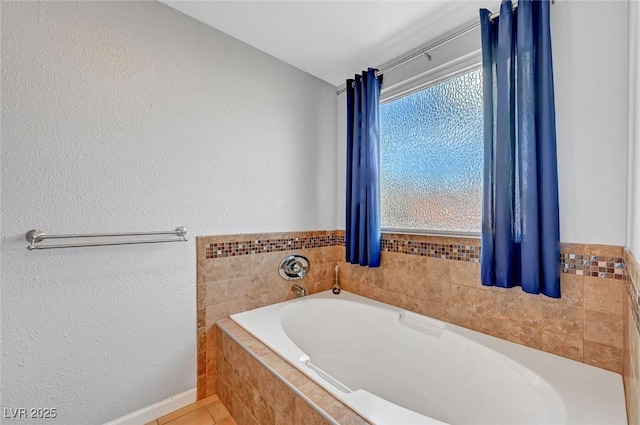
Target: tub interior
x=395 y=367
x=423 y=367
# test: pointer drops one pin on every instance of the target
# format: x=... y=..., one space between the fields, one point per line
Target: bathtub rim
x=352 y=297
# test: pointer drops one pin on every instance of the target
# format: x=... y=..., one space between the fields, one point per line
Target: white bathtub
x=396 y=367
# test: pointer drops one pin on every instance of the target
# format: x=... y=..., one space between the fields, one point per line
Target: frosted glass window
x=431 y=157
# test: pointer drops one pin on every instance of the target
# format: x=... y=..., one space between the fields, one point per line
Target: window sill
x=468 y=235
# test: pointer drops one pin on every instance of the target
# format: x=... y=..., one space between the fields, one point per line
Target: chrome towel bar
x=35 y=236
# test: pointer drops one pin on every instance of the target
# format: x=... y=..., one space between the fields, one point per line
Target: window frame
x=463 y=65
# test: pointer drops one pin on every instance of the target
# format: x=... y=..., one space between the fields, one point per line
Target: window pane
x=431 y=157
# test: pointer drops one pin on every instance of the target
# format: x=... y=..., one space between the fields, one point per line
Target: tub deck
x=259 y=387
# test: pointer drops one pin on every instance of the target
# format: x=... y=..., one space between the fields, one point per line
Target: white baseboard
x=149 y=413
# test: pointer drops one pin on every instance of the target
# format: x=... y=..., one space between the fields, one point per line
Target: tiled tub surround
x=236 y=273
x=259 y=387
x=432 y=275
x=632 y=339
x=444 y=282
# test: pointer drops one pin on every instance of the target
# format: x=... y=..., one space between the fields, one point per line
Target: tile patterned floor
x=208 y=411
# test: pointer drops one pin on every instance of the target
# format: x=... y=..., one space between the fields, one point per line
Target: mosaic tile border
x=470 y=253
x=421 y=245
x=570 y=263
x=258 y=246
x=593 y=265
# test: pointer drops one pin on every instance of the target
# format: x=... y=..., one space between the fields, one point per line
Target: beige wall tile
x=462 y=306
x=267 y=262
x=366 y=291
x=572 y=289
x=573 y=247
x=604 y=250
x=200 y=294
x=252 y=400
x=603 y=295
x=493 y=288
x=524 y=335
x=323 y=271
x=417 y=267
x=393 y=273
x=210 y=385
x=201 y=363
x=563 y=319
x=490 y=304
x=603 y=356
x=524 y=308
x=437 y=311
x=240 y=266
x=280 y=420
x=315 y=255
x=464 y=273
x=266 y=414
x=438 y=269
x=633 y=267
x=419 y=289
x=201 y=339
x=490 y=325
x=201 y=318
x=201 y=385
x=318 y=395
x=390 y=297
x=210 y=362
x=211 y=338
x=283 y=400
x=603 y=328
x=563 y=345
x=344 y=416
x=216 y=312
x=393 y=259
x=631 y=365
x=295 y=377
x=304 y=414
x=438 y=291
x=227 y=290
x=338 y=254
x=276 y=362
x=417 y=305
x=259 y=349
x=399 y=283
x=213 y=270
x=243 y=237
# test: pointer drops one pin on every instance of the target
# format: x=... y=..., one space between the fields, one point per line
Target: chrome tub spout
x=299 y=290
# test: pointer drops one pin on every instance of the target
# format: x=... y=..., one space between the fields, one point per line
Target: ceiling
x=333 y=40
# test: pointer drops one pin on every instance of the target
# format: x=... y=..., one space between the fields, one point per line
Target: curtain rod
x=425 y=51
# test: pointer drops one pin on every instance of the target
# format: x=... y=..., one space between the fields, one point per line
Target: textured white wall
x=590 y=71
x=633 y=211
x=124 y=116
